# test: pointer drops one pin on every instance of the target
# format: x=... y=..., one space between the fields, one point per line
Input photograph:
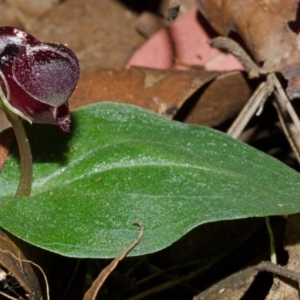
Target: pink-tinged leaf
x=185 y=40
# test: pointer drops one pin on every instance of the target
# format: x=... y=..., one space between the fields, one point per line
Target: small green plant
x=36 y=80
x=119 y=164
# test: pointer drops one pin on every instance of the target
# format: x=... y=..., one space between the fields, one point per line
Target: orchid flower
x=36 y=80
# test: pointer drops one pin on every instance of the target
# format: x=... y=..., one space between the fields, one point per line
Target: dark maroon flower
x=36 y=78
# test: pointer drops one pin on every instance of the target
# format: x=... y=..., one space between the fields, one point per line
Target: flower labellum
x=36 y=79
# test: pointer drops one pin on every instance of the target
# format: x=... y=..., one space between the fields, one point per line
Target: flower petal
x=37 y=78
x=48 y=73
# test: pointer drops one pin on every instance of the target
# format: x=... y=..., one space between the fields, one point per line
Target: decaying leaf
x=232 y=287
x=165 y=91
x=221 y=100
x=184 y=40
x=161 y=91
x=13 y=267
x=268 y=28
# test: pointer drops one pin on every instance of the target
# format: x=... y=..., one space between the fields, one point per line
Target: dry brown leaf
x=162 y=91
x=101 y=33
x=165 y=91
x=267 y=30
x=232 y=287
x=12 y=265
x=221 y=100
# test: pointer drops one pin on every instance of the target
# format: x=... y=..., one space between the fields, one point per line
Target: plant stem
x=272 y=241
x=24 y=186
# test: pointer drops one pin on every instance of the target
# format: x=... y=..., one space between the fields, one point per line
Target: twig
x=285 y=102
x=279 y=270
x=8 y=297
x=235 y=49
x=290 y=135
x=92 y=292
x=255 y=102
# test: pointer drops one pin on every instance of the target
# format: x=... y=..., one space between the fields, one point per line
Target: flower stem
x=272 y=241
x=24 y=186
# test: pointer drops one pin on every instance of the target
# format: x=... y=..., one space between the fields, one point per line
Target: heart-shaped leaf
x=122 y=164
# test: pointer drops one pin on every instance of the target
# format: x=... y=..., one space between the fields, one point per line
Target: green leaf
x=123 y=164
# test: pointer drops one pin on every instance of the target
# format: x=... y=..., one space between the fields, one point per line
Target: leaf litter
x=271 y=37
x=208 y=98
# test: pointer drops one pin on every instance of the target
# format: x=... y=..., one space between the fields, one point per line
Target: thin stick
x=285 y=102
x=8 y=297
x=255 y=102
x=292 y=139
x=24 y=186
x=235 y=49
x=279 y=270
x=92 y=292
